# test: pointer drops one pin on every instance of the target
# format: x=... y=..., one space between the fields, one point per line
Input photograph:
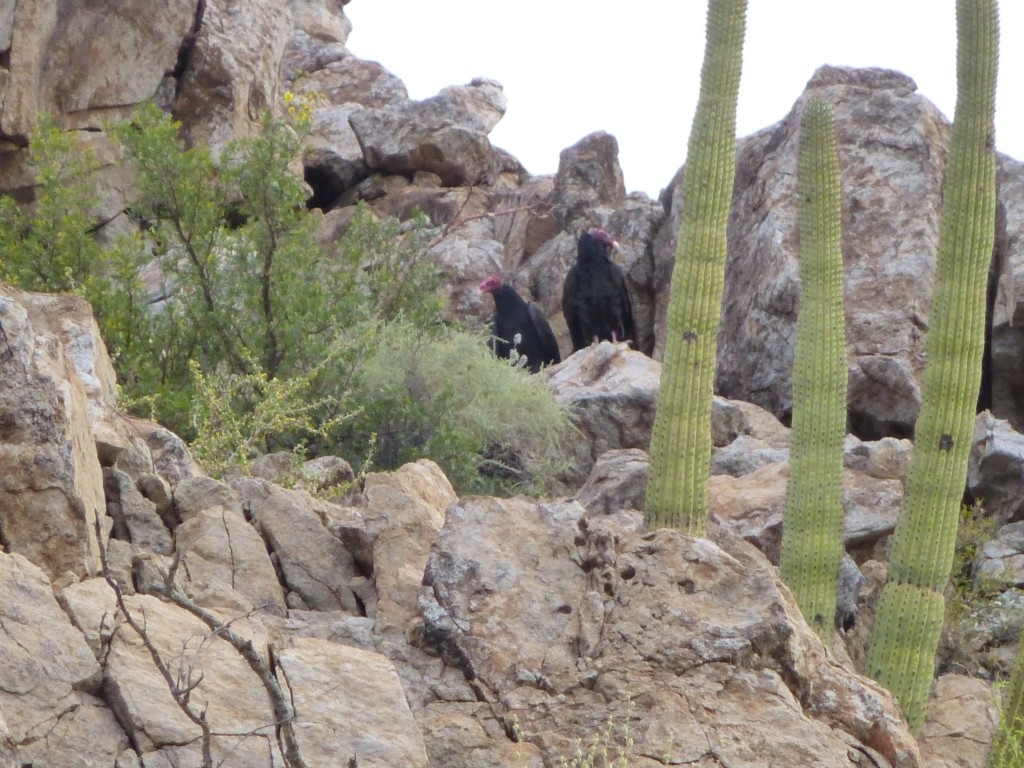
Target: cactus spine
x=909 y=616
x=813 y=521
x=677 y=491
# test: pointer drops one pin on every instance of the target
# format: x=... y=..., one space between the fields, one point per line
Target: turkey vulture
x=520 y=326
x=595 y=300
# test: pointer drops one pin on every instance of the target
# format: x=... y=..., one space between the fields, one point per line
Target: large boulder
x=892 y=145
x=318 y=571
x=51 y=483
x=50 y=710
x=637 y=628
x=445 y=134
x=230 y=76
x=84 y=63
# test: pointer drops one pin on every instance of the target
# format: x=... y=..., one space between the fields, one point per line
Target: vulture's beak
x=618 y=255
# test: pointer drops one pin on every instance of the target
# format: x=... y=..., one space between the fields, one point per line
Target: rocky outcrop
x=617 y=629
x=51 y=494
x=445 y=134
x=892 y=148
x=84 y=63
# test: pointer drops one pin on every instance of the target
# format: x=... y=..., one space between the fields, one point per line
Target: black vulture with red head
x=520 y=326
x=595 y=299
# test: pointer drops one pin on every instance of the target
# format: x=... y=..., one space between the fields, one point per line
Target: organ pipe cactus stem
x=677 y=491
x=813 y=521
x=909 y=616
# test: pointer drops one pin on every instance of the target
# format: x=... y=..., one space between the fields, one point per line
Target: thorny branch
x=181 y=690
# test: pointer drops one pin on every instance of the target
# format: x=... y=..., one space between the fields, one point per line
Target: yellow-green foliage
x=1008 y=746
x=677 y=491
x=813 y=520
x=490 y=426
x=261 y=341
x=908 y=621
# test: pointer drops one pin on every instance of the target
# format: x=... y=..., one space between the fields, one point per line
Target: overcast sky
x=570 y=67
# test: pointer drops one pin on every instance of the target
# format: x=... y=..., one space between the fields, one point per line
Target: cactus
x=909 y=616
x=677 y=492
x=813 y=520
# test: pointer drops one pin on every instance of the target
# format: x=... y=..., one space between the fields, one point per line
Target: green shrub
x=257 y=340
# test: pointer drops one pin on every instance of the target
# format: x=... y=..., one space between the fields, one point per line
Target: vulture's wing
x=549 y=353
x=569 y=310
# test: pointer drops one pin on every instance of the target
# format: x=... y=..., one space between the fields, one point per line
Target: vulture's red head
x=595 y=243
x=491 y=285
x=602 y=237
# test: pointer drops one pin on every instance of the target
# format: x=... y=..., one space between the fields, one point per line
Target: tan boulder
x=404 y=511
x=960 y=724
x=86 y=62
x=231 y=77
x=45 y=663
x=349 y=707
x=227 y=688
x=51 y=491
x=701 y=638
x=218 y=549
x=318 y=571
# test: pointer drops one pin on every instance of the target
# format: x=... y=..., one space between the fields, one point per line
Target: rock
x=995 y=470
x=231 y=76
x=86 y=736
x=613 y=391
x=44 y=660
x=1008 y=307
x=171 y=457
x=349 y=707
x=751 y=506
x=196 y=494
x=667 y=618
x=85 y=63
x=325 y=472
x=588 y=182
x=893 y=144
x=51 y=489
x=445 y=134
x=404 y=511
x=318 y=37
x=960 y=723
x=92 y=605
x=230 y=692
x=316 y=568
x=158 y=491
x=218 y=548
x=1001 y=561
x=455 y=737
x=135 y=517
x=617 y=481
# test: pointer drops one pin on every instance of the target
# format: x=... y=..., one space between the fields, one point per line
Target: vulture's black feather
x=520 y=326
x=595 y=299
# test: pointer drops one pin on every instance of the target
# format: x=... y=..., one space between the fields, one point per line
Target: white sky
x=632 y=67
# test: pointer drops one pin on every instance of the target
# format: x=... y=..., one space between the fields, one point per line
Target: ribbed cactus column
x=812 y=526
x=909 y=616
x=1008 y=749
x=677 y=491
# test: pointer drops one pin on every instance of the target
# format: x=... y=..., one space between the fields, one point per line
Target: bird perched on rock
x=595 y=300
x=520 y=327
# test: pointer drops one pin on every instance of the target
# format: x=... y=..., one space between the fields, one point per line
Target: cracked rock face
x=691 y=641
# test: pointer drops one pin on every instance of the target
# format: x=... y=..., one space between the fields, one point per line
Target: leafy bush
x=251 y=339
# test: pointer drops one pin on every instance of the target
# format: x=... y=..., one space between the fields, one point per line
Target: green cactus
x=908 y=619
x=813 y=521
x=677 y=491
